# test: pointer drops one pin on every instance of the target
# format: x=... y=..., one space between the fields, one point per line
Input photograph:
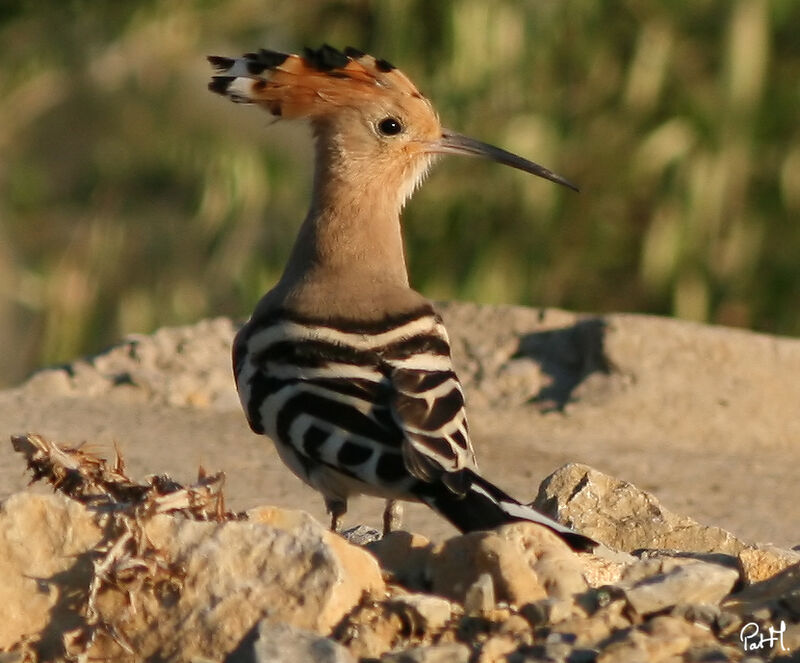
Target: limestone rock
x=237 y=573
x=45 y=567
x=549 y=611
x=558 y=568
x=764 y=561
x=448 y=653
x=589 y=630
x=371 y=629
x=622 y=516
x=422 y=613
x=405 y=556
x=497 y=648
x=771 y=596
x=276 y=642
x=605 y=566
x=223 y=578
x=689 y=582
x=663 y=638
x=480 y=598
x=526 y=562
x=458 y=562
x=182 y=366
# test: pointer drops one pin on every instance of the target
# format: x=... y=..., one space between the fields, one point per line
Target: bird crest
x=311 y=85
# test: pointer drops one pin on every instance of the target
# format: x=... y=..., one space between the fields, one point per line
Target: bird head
x=368 y=117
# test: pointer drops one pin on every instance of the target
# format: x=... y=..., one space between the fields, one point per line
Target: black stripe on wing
x=313 y=440
x=261 y=388
x=417 y=407
x=440 y=446
x=433 y=421
x=238 y=353
x=431 y=344
x=429 y=414
x=336 y=414
x=389 y=468
x=328 y=415
x=372 y=391
x=313 y=353
x=352 y=453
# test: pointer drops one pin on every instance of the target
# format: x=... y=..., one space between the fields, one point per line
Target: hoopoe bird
x=344 y=366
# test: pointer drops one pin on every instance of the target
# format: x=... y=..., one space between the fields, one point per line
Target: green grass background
x=131 y=198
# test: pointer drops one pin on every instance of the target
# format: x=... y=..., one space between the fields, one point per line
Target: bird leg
x=337 y=509
x=392 y=516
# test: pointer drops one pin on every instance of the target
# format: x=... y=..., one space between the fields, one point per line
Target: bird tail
x=484 y=506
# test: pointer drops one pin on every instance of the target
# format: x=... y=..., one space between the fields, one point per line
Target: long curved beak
x=455 y=143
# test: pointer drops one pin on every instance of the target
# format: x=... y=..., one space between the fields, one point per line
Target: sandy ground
x=706 y=418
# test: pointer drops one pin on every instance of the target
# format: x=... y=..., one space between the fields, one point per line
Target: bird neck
x=353 y=225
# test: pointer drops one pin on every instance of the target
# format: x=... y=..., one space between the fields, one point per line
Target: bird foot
x=392 y=516
x=337 y=509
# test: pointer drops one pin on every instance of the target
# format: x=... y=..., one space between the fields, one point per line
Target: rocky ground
x=697 y=420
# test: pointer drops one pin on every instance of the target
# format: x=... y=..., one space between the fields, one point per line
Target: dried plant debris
x=87 y=478
x=125 y=562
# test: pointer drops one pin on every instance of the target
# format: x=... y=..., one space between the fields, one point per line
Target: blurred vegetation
x=131 y=198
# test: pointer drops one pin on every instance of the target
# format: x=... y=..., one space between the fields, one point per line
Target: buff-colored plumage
x=364 y=172
x=343 y=364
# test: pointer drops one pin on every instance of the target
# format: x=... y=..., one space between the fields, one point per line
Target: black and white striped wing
x=321 y=394
x=427 y=402
x=382 y=406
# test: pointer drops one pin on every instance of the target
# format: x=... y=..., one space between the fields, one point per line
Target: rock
x=675 y=583
x=480 y=596
x=526 y=562
x=46 y=567
x=558 y=569
x=548 y=611
x=284 y=519
x=497 y=648
x=448 y=653
x=370 y=630
x=589 y=630
x=276 y=642
x=622 y=516
x=770 y=597
x=179 y=366
x=361 y=535
x=516 y=626
x=699 y=613
x=663 y=638
x=791 y=638
x=405 y=556
x=422 y=613
x=458 y=562
x=239 y=572
x=764 y=561
x=360 y=572
x=604 y=566
x=199 y=590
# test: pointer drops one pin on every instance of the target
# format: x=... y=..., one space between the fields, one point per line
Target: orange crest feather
x=312 y=85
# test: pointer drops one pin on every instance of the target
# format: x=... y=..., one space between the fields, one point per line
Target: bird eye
x=390 y=126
